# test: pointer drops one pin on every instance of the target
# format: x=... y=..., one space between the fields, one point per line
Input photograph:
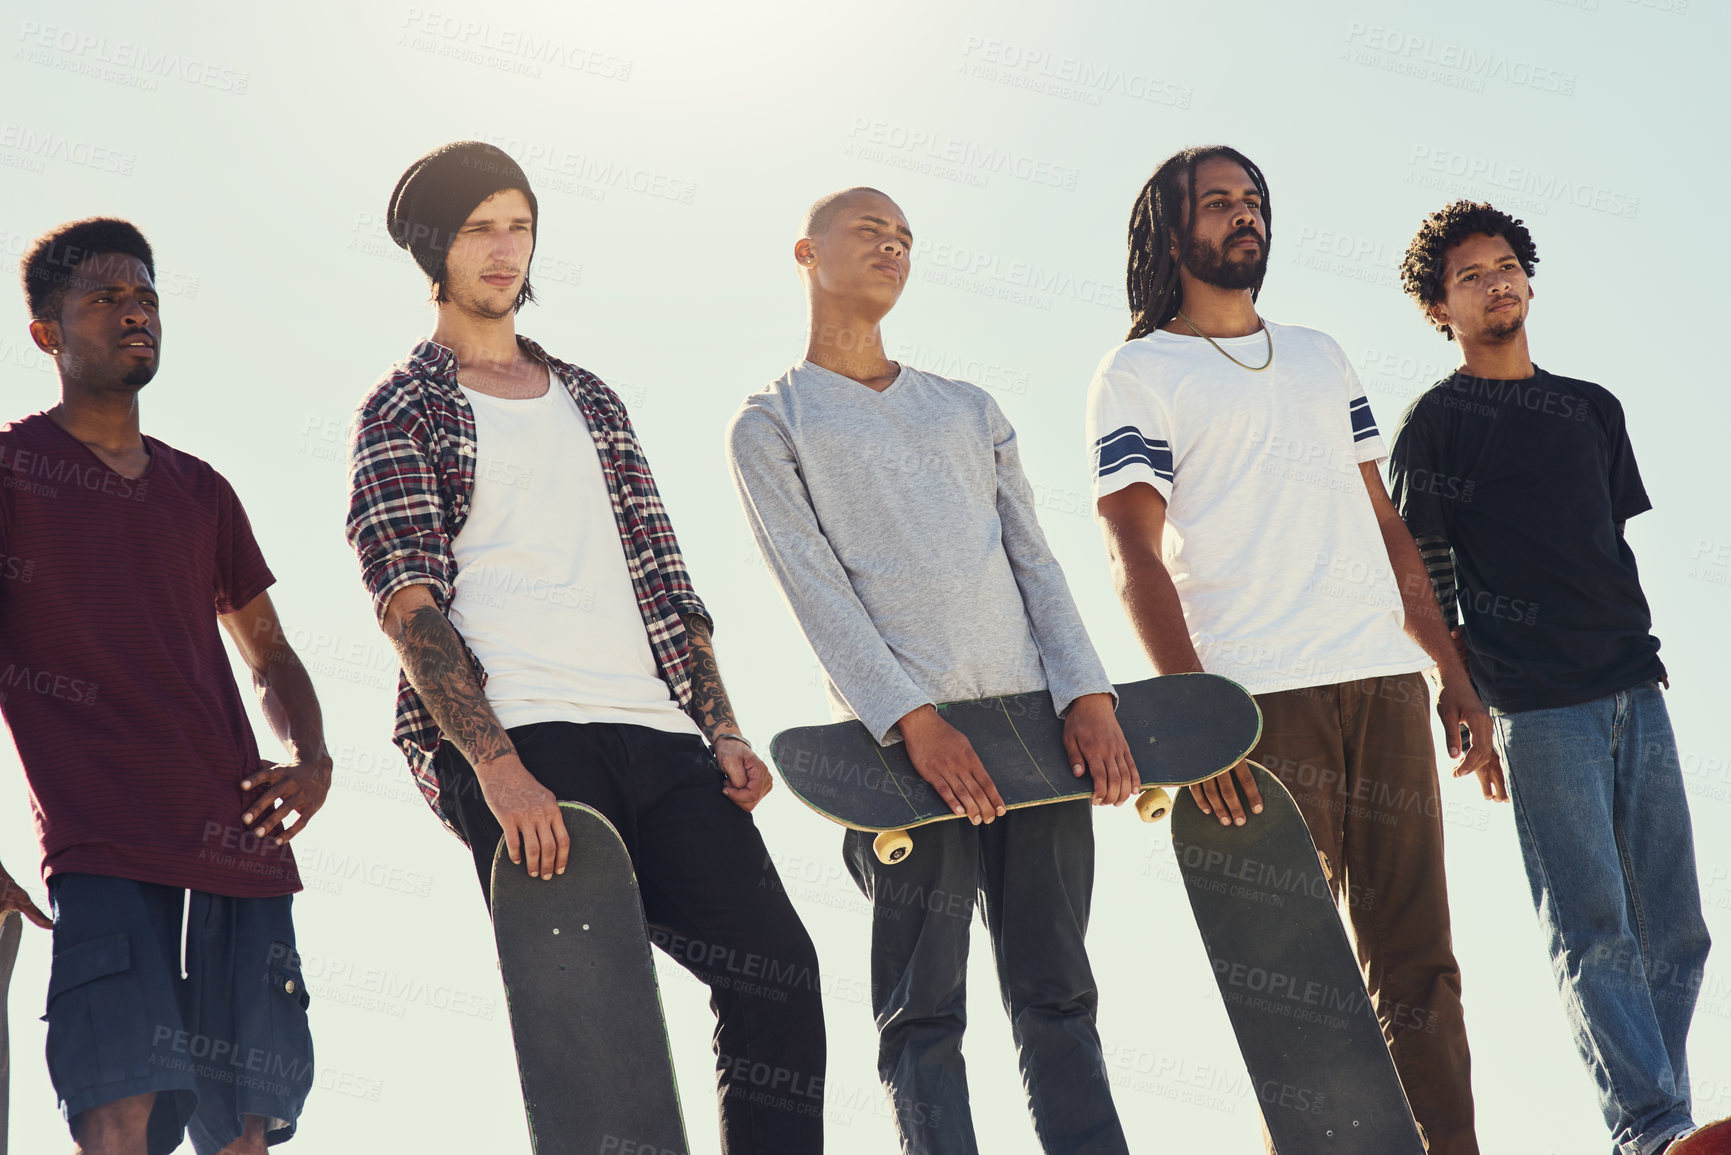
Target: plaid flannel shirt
x=411 y=480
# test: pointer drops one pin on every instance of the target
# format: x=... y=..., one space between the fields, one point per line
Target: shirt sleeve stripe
x=1125 y=447
x=1363 y=423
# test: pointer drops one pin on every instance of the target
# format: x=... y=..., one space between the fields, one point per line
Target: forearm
x=1150 y=600
x=436 y=665
x=710 y=708
x=1438 y=562
x=1424 y=615
x=291 y=706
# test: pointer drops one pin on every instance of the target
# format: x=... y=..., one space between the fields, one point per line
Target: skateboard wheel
x=1153 y=805
x=892 y=846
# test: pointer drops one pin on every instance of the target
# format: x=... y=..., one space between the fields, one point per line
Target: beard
x=140 y=375
x=1209 y=263
x=99 y=365
x=475 y=305
x=1503 y=329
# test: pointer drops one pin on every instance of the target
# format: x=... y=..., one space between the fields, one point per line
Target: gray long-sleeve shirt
x=902 y=532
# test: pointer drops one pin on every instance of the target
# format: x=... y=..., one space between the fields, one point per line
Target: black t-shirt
x=1527 y=481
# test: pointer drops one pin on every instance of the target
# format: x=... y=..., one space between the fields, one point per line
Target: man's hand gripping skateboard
x=944 y=757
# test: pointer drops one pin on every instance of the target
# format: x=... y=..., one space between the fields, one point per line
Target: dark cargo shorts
x=229 y=1039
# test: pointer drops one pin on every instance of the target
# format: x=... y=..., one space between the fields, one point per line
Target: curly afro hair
x=1421 y=272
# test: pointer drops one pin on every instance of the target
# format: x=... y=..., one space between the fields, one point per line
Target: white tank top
x=542 y=593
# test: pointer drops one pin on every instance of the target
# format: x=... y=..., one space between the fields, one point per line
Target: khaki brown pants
x=1359 y=760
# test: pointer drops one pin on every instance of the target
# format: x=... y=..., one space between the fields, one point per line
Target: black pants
x=1031 y=873
x=712 y=900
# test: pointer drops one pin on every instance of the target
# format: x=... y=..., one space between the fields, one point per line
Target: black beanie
x=439 y=191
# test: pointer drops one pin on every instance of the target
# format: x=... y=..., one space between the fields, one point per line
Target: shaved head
x=824 y=208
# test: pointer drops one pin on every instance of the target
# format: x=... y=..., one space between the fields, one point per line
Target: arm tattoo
x=710 y=708
x=439 y=670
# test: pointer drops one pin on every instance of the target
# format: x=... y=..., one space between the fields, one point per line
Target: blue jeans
x=1032 y=874
x=1610 y=857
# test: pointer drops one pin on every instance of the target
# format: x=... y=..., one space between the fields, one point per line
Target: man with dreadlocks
x=1517 y=484
x=891 y=506
x=1235 y=479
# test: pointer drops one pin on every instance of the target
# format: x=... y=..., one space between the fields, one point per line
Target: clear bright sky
x=673 y=147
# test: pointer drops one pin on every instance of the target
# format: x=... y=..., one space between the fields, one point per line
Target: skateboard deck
x=1181 y=728
x=585 y=1008
x=11 y=930
x=1291 y=983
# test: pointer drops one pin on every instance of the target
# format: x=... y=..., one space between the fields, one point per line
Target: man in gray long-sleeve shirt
x=891 y=506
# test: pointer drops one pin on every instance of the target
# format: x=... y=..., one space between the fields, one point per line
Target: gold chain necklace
x=1230 y=357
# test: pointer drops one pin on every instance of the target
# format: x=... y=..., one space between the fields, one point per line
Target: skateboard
x=585 y=1009
x=11 y=929
x=1290 y=981
x=1181 y=728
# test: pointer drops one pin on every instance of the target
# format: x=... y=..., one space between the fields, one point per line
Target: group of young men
x=552 y=647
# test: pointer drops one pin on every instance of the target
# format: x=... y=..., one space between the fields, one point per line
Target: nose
x=894 y=247
x=1246 y=215
x=136 y=315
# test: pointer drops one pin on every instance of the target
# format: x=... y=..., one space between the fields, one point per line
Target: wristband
x=736 y=738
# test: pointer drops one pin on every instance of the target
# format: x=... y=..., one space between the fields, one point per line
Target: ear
x=804 y=252
x=1172 y=238
x=46 y=334
x=1439 y=315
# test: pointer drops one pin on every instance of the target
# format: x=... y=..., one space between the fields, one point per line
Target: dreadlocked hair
x=1151 y=277
x=1421 y=270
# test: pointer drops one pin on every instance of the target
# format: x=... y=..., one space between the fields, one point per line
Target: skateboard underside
x=1290 y=981
x=585 y=1009
x=1181 y=729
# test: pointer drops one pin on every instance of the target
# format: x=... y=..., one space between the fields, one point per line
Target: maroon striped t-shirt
x=113 y=676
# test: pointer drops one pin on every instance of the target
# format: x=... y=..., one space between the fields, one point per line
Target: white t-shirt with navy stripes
x=1270 y=535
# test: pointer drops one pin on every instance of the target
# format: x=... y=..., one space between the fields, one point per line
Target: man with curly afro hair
x=1516 y=484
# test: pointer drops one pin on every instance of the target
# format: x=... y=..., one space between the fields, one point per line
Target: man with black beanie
x=552 y=648
x=434 y=197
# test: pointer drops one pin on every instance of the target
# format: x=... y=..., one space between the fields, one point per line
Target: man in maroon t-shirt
x=118 y=557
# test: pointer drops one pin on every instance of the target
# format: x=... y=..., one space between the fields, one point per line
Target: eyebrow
x=117 y=287
x=1226 y=192
x=476 y=222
